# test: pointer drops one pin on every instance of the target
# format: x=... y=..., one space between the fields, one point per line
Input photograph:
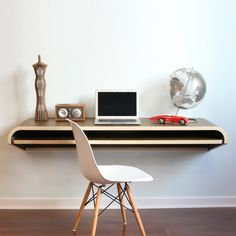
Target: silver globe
x=187 y=88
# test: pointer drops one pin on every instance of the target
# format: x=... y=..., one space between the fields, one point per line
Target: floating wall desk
x=35 y=134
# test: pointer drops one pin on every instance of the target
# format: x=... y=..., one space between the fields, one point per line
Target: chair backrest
x=85 y=155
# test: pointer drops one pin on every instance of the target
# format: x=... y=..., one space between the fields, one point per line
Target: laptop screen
x=116 y=103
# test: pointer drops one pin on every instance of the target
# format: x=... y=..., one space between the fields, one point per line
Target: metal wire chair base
x=104 y=191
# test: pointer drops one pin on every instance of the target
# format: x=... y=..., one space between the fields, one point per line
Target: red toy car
x=162 y=119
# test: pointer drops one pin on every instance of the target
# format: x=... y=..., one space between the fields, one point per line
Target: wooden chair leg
x=79 y=214
x=136 y=213
x=96 y=210
x=123 y=213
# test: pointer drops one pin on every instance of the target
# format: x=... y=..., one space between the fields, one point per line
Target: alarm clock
x=75 y=112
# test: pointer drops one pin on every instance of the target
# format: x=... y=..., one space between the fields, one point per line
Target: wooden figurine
x=41 y=113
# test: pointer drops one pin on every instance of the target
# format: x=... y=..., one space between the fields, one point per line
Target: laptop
x=116 y=107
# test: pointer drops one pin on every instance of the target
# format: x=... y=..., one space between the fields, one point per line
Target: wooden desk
x=35 y=134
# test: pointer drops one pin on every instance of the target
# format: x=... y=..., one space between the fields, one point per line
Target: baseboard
x=142 y=203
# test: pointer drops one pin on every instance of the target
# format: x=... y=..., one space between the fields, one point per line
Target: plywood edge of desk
x=121 y=142
x=35 y=128
x=51 y=125
x=121 y=128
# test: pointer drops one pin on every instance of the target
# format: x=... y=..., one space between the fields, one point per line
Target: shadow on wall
x=22 y=94
x=90 y=105
x=150 y=158
x=155 y=98
x=169 y=167
x=32 y=173
x=6 y=166
x=16 y=103
x=3 y=147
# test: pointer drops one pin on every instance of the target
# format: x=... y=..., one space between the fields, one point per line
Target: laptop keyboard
x=118 y=121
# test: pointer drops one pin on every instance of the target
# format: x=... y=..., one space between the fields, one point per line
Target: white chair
x=101 y=175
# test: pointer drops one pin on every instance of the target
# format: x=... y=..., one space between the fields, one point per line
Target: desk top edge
x=88 y=124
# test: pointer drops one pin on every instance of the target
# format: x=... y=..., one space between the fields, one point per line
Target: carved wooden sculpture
x=41 y=113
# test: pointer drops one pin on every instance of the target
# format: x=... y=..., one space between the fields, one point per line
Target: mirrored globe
x=187 y=88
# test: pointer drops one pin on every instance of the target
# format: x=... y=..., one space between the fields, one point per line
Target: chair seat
x=120 y=173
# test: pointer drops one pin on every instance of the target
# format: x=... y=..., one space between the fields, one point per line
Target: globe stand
x=190 y=76
x=192 y=120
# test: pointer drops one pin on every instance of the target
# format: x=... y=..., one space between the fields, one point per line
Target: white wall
x=117 y=44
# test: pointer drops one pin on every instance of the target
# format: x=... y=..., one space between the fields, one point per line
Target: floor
x=158 y=222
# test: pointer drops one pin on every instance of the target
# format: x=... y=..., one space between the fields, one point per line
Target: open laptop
x=116 y=107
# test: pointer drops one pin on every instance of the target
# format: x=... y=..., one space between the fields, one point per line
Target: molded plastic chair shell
x=103 y=174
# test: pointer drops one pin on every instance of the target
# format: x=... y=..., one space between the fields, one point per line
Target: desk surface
x=50 y=133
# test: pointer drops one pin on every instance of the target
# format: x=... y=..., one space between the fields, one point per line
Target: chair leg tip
x=74 y=230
